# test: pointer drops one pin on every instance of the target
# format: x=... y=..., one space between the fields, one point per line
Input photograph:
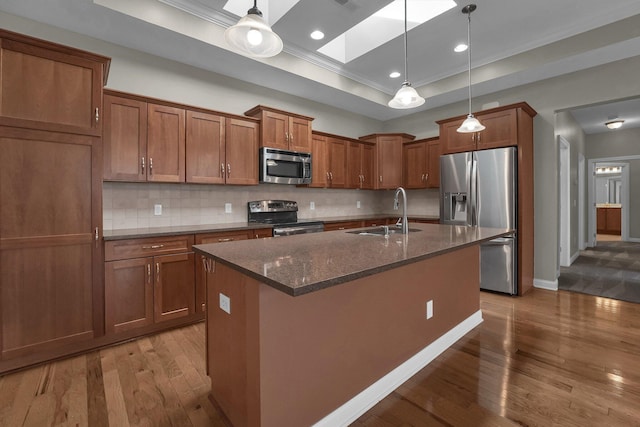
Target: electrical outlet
x=225 y=303
x=312 y=205
x=157 y=210
x=358 y=204
x=429 y=309
x=227 y=208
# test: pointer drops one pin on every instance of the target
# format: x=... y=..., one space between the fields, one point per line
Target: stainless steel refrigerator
x=479 y=188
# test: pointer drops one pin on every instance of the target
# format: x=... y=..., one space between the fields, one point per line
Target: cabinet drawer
x=376 y=222
x=136 y=248
x=332 y=226
x=224 y=236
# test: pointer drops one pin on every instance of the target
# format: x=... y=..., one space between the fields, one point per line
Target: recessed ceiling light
x=395 y=75
x=460 y=48
x=317 y=35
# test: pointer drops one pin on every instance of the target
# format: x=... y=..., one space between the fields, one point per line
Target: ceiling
x=514 y=42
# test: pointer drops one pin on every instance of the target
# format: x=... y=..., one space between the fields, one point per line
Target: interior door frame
x=564 y=195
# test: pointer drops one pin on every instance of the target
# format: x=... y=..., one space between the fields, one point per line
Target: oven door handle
x=284 y=231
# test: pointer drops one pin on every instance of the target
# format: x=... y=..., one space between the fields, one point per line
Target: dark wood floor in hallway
x=545 y=359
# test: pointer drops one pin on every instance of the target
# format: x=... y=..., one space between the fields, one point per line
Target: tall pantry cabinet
x=50 y=199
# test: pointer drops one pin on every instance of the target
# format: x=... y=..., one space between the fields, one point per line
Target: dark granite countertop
x=306 y=263
x=138 y=233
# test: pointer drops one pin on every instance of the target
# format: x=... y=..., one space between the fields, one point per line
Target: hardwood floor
x=545 y=359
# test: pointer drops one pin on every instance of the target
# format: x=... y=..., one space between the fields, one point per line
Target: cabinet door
x=501 y=129
x=174 y=290
x=455 y=142
x=241 y=152
x=128 y=294
x=337 y=162
x=354 y=162
x=389 y=165
x=275 y=128
x=50 y=212
x=165 y=143
x=320 y=161
x=601 y=220
x=124 y=139
x=46 y=89
x=415 y=159
x=368 y=166
x=205 y=148
x=299 y=134
x=433 y=164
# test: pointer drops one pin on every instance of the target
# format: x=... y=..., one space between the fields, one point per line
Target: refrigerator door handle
x=499 y=241
x=473 y=190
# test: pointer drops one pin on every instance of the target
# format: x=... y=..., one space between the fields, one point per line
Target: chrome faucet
x=405 y=223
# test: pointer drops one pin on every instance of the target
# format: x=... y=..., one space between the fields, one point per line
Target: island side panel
x=319 y=350
x=232 y=344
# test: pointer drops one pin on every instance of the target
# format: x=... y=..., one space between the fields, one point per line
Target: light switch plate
x=157 y=210
x=312 y=205
x=358 y=204
x=227 y=208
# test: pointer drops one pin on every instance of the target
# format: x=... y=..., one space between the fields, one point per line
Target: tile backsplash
x=131 y=205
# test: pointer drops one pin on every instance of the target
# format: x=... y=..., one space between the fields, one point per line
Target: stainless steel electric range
x=283 y=214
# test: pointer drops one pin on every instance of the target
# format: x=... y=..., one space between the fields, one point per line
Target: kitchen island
x=315 y=329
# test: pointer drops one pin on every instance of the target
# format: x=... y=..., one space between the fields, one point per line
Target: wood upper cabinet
x=124 y=138
x=319 y=161
x=205 y=148
x=165 y=143
x=143 y=141
x=501 y=129
x=221 y=150
x=360 y=165
x=421 y=164
x=241 y=151
x=148 y=281
x=388 y=159
x=337 y=162
x=282 y=129
x=50 y=87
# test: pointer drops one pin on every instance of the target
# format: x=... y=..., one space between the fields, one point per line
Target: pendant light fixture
x=470 y=124
x=252 y=36
x=406 y=97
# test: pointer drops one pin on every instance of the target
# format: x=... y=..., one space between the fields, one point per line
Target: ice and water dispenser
x=455 y=208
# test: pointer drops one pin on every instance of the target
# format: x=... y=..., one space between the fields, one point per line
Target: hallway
x=611 y=270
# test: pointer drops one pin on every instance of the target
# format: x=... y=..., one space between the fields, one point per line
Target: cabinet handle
x=228 y=170
x=228 y=239
x=426 y=177
x=148 y=273
x=222 y=170
x=142 y=166
x=157 y=272
x=331 y=176
x=150 y=165
x=328 y=179
x=97 y=115
x=97 y=234
x=286 y=136
x=290 y=137
x=153 y=247
x=479 y=136
x=380 y=178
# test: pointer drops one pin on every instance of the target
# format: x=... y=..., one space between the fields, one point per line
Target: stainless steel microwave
x=284 y=167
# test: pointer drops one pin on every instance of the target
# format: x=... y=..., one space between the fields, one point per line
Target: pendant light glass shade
x=253 y=37
x=406 y=97
x=471 y=124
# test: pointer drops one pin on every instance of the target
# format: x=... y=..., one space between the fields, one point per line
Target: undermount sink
x=380 y=231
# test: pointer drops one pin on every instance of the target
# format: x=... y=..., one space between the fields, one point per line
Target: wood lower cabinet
x=148 y=281
x=388 y=158
x=282 y=129
x=342 y=225
x=421 y=164
x=609 y=220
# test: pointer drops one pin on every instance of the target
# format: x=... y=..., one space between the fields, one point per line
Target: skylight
x=382 y=26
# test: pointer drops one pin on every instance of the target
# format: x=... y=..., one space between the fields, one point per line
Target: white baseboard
x=574 y=257
x=361 y=403
x=545 y=284
x=633 y=239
